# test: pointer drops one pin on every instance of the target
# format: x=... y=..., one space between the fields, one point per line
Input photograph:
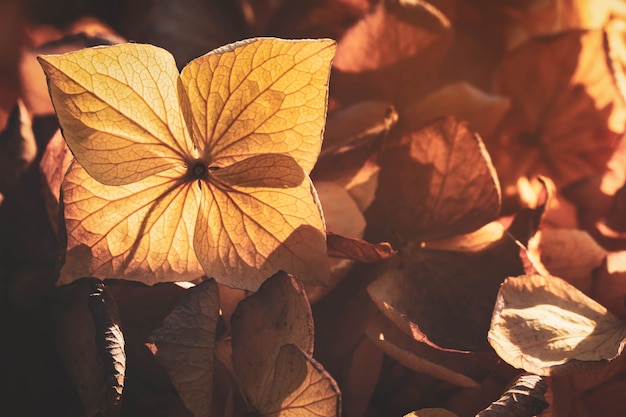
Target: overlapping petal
x=119 y=110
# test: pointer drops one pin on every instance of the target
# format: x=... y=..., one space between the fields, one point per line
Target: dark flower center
x=197 y=170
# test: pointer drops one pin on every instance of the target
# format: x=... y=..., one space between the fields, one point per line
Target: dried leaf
x=357 y=249
x=276 y=315
x=272 y=340
x=546 y=326
x=609 y=284
x=470 y=242
x=154 y=162
x=388 y=53
x=525 y=398
x=482 y=111
x=341 y=213
x=461 y=369
x=435 y=183
x=567 y=114
x=351 y=126
x=445 y=299
x=54 y=164
x=17 y=147
x=533 y=18
x=111 y=345
x=185 y=345
x=75 y=339
x=570 y=254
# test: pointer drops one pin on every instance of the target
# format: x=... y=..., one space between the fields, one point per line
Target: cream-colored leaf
x=139 y=231
x=546 y=326
x=260 y=95
x=245 y=235
x=118 y=107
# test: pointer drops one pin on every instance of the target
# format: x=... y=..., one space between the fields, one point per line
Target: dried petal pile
x=472 y=180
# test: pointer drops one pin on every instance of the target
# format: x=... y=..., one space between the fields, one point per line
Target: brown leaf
x=76 y=343
x=272 y=343
x=357 y=249
x=388 y=53
x=528 y=19
x=276 y=315
x=341 y=213
x=482 y=111
x=524 y=398
x=434 y=183
x=352 y=126
x=54 y=163
x=110 y=343
x=546 y=326
x=17 y=147
x=461 y=369
x=185 y=345
x=567 y=114
x=470 y=242
x=609 y=284
x=306 y=18
x=445 y=299
x=570 y=254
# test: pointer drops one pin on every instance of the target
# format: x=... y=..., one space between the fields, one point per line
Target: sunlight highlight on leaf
x=118 y=107
x=546 y=326
x=207 y=168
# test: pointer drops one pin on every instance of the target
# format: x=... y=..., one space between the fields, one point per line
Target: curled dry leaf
x=388 y=53
x=546 y=326
x=445 y=299
x=357 y=249
x=568 y=253
x=434 y=183
x=524 y=398
x=235 y=178
x=567 y=115
x=461 y=369
x=482 y=111
x=110 y=343
x=272 y=344
x=185 y=346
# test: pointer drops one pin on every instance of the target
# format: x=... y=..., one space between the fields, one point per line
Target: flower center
x=197 y=170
